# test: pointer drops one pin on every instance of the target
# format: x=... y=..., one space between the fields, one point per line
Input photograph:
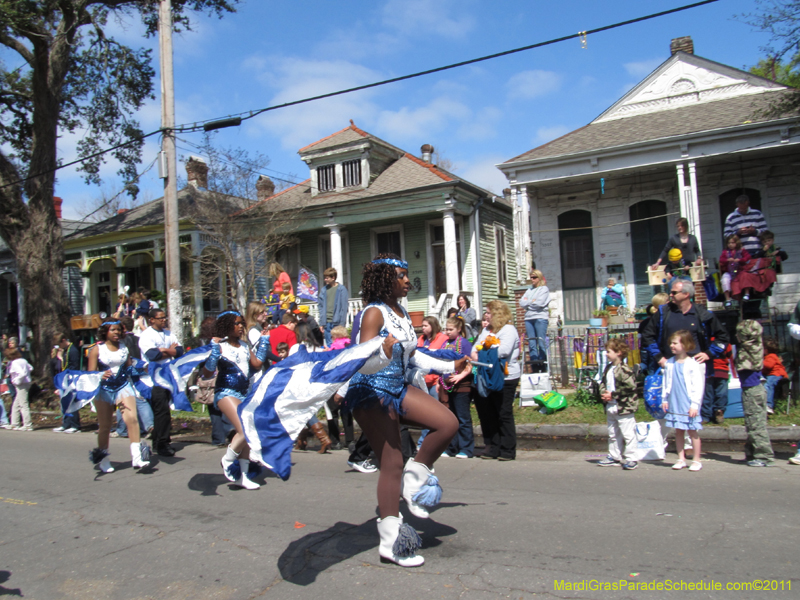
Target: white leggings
x=725 y=280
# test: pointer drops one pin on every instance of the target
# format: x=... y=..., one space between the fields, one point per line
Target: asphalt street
x=538 y=526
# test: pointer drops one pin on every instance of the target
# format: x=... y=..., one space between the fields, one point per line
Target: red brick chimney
x=197 y=172
x=57 y=204
x=681 y=44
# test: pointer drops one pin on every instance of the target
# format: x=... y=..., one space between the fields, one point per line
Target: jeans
x=770 y=385
x=464 y=440
x=536 y=330
x=3 y=414
x=145 y=414
x=220 y=426
x=715 y=397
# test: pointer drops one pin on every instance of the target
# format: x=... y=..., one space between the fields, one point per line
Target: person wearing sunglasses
x=157 y=344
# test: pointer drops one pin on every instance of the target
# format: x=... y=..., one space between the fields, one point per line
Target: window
x=326 y=178
x=437 y=257
x=352 y=173
x=501 y=262
x=388 y=240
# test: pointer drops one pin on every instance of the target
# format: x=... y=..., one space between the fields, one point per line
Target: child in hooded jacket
x=749 y=362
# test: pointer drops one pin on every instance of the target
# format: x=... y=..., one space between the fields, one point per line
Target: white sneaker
x=696 y=466
x=462 y=455
x=770 y=411
x=365 y=466
x=58 y=429
x=795 y=460
x=24 y=428
x=72 y=430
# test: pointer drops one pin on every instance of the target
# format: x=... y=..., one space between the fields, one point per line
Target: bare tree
x=237 y=250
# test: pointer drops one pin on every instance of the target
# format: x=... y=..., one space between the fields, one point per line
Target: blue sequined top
x=233 y=369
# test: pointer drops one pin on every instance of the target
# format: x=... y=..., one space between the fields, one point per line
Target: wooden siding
x=489 y=216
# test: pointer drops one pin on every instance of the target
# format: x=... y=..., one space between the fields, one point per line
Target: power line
x=242 y=116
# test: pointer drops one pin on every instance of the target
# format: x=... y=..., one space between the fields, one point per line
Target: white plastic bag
x=650 y=442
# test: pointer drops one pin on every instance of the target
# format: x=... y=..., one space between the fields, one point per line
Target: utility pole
x=171 y=233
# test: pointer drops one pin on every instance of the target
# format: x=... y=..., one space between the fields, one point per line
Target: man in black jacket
x=70 y=361
x=682 y=313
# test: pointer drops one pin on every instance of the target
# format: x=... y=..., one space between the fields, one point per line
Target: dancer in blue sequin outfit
x=379 y=401
x=234 y=362
x=116 y=390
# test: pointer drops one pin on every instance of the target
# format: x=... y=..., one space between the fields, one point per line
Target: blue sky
x=475 y=116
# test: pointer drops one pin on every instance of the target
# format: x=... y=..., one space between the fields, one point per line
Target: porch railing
x=354 y=305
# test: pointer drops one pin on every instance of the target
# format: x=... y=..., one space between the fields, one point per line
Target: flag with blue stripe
x=282 y=401
x=78 y=388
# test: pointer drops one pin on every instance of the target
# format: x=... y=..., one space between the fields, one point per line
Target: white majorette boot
x=99 y=458
x=421 y=489
x=243 y=480
x=140 y=452
x=228 y=468
x=399 y=542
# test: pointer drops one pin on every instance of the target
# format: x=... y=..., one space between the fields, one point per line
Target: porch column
x=450 y=252
x=694 y=222
x=23 y=328
x=197 y=284
x=120 y=273
x=159 y=265
x=522 y=231
x=86 y=286
x=336 y=252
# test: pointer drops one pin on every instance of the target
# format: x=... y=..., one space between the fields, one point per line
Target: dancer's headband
x=400 y=264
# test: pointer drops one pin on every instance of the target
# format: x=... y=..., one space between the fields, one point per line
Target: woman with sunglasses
x=537 y=316
x=232 y=357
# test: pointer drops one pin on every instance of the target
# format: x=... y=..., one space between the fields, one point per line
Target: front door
x=577 y=264
x=648 y=239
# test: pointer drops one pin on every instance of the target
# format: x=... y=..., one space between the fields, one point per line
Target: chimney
x=681 y=44
x=57 y=204
x=427 y=152
x=264 y=187
x=197 y=172
x=507 y=194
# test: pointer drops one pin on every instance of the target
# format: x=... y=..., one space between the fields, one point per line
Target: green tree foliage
x=71 y=76
x=781 y=18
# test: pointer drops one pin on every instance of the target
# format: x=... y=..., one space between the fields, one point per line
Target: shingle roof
x=707 y=116
x=149 y=214
x=404 y=175
x=348 y=134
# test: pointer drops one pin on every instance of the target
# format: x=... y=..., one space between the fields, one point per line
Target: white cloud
x=296 y=79
x=533 y=84
x=483 y=126
x=548 y=134
x=444 y=18
x=482 y=171
x=422 y=122
x=642 y=68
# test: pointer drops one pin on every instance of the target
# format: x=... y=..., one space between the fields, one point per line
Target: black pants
x=497 y=421
x=162 y=417
x=347 y=424
x=220 y=425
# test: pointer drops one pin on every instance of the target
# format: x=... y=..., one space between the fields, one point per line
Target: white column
x=23 y=328
x=86 y=285
x=450 y=252
x=120 y=274
x=694 y=220
x=336 y=252
x=681 y=188
x=197 y=284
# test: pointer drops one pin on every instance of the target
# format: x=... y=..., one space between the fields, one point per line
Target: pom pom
x=407 y=542
x=146 y=453
x=96 y=455
x=430 y=494
x=233 y=471
x=254 y=470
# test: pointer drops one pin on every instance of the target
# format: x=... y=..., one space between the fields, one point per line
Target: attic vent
x=352 y=173
x=326 y=178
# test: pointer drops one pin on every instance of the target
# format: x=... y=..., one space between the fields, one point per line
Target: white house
x=602 y=200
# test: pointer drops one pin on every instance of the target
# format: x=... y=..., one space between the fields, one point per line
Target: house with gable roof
x=601 y=201
x=365 y=196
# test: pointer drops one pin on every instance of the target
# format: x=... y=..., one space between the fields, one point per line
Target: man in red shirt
x=284 y=332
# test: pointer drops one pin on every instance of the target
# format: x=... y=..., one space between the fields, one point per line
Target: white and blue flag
x=78 y=388
x=280 y=403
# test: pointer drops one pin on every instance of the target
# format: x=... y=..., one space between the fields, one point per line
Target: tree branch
x=17 y=46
